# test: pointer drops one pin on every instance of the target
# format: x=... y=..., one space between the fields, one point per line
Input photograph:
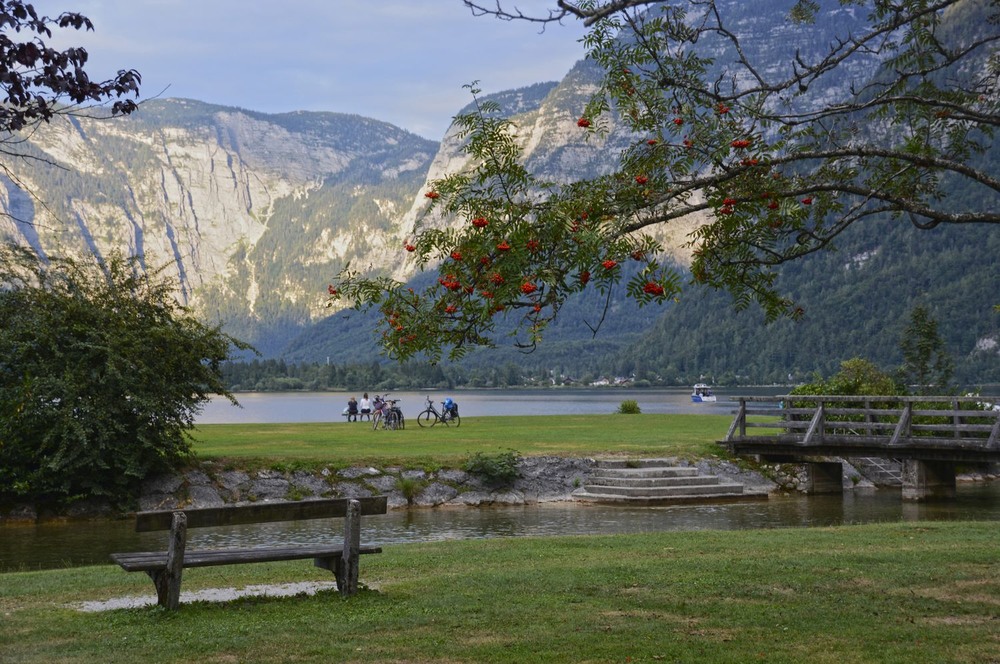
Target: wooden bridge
x=929 y=435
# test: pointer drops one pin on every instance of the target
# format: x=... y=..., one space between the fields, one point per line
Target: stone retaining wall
x=541 y=479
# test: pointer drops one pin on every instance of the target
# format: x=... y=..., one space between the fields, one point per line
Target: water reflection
x=53 y=545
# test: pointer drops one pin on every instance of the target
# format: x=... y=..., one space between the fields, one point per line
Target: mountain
x=252 y=213
x=255 y=213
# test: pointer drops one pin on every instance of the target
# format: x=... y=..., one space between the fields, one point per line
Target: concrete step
x=649 y=482
x=652 y=481
x=635 y=463
x=667 y=471
x=718 y=489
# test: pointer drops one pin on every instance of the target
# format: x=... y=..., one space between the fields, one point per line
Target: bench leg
x=332 y=564
x=168 y=580
x=345 y=566
x=347 y=577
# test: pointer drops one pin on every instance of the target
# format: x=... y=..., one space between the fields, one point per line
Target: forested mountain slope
x=857 y=299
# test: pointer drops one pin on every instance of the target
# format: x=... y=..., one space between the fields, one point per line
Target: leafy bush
x=101 y=375
x=499 y=469
x=629 y=407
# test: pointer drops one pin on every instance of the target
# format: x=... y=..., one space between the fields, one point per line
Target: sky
x=400 y=61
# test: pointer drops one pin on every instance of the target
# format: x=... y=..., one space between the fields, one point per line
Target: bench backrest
x=232 y=515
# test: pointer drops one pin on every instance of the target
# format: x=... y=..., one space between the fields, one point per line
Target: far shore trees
x=891 y=116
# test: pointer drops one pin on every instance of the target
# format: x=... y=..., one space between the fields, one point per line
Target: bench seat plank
x=144 y=561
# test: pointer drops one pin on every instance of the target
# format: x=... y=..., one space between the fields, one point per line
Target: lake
x=268 y=407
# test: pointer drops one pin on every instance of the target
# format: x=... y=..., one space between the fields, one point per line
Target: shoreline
x=540 y=479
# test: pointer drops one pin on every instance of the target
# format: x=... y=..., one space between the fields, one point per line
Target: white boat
x=702 y=394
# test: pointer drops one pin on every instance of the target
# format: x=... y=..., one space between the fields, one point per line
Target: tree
x=857 y=377
x=39 y=82
x=783 y=159
x=926 y=361
x=101 y=374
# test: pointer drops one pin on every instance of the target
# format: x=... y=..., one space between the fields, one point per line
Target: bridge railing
x=808 y=419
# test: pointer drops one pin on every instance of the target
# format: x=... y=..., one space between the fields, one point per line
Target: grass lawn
x=907 y=592
x=686 y=436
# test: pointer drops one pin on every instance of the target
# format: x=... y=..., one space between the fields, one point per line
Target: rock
x=471 y=498
x=550 y=478
x=205 y=496
x=268 y=489
x=435 y=494
x=351 y=490
x=163 y=484
x=453 y=475
x=355 y=472
x=396 y=500
x=197 y=478
x=507 y=497
x=309 y=484
x=413 y=475
x=158 y=501
x=383 y=483
x=233 y=480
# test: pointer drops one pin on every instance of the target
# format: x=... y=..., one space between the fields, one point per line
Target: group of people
x=362 y=409
x=357 y=408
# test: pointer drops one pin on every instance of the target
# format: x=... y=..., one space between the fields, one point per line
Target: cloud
x=403 y=62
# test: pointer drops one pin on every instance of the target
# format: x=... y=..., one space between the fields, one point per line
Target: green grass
x=907 y=592
x=685 y=436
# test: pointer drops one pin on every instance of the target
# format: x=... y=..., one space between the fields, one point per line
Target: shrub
x=499 y=468
x=410 y=487
x=629 y=407
x=102 y=374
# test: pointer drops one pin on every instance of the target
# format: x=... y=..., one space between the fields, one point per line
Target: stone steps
x=655 y=482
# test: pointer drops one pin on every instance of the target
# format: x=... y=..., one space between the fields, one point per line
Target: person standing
x=352 y=410
x=366 y=407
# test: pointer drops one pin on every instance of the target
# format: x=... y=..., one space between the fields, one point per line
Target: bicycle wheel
x=427 y=418
x=402 y=421
x=456 y=420
x=376 y=418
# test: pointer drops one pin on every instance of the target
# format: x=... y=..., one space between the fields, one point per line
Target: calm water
x=260 y=407
x=85 y=543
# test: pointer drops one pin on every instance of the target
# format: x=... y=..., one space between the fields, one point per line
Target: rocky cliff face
x=251 y=213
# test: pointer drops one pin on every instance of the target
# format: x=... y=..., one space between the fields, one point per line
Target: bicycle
x=387 y=413
x=394 y=418
x=430 y=415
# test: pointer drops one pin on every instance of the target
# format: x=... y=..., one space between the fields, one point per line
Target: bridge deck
x=940 y=428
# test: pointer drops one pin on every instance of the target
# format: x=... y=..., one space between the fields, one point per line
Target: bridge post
x=824 y=477
x=928 y=479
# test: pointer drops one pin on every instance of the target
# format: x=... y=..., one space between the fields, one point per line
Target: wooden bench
x=165 y=567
